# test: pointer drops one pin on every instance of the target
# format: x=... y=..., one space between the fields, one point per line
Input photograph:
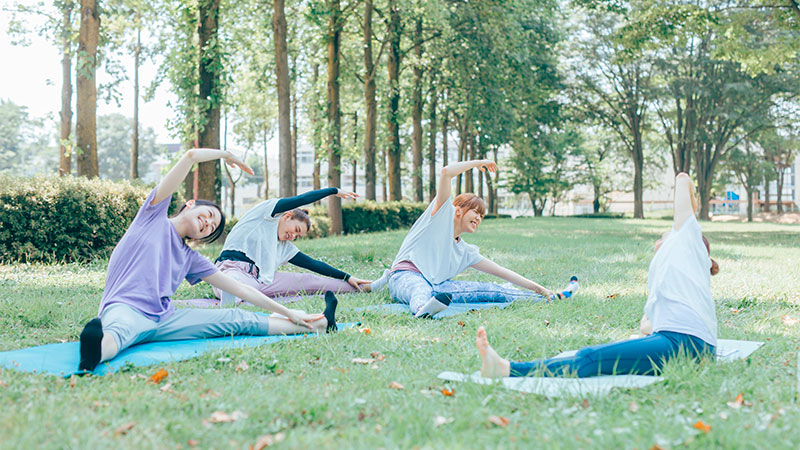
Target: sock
x=330 y=311
x=437 y=303
x=91 y=338
x=381 y=282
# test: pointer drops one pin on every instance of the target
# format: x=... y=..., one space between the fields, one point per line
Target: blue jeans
x=414 y=290
x=643 y=356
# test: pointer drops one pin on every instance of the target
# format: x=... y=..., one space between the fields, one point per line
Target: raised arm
x=685 y=204
x=290 y=203
x=492 y=268
x=176 y=175
x=452 y=170
x=252 y=295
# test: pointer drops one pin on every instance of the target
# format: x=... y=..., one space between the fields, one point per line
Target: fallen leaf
x=546 y=322
x=364 y=330
x=735 y=311
x=633 y=406
x=611 y=296
x=447 y=392
x=377 y=355
x=192 y=442
x=656 y=447
x=499 y=421
x=71 y=381
x=158 y=376
x=267 y=440
x=439 y=421
x=362 y=360
x=223 y=417
x=789 y=321
x=123 y=429
x=210 y=393
x=136 y=376
x=585 y=403
x=700 y=425
x=241 y=367
x=166 y=387
x=340 y=369
x=461 y=324
x=396 y=385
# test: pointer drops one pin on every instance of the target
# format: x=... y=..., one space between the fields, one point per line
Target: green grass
x=310 y=390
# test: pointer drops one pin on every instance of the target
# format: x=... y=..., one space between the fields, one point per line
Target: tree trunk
x=393 y=66
x=432 y=148
x=86 y=110
x=463 y=131
x=232 y=196
x=496 y=187
x=445 y=149
x=317 y=140
x=355 y=144
x=266 y=166
x=334 y=116
x=469 y=185
x=371 y=106
x=284 y=106
x=766 y=195
x=294 y=127
x=385 y=194
x=416 y=114
x=136 y=61
x=638 y=168
x=779 y=194
x=64 y=152
x=209 y=182
x=596 y=202
x=750 y=193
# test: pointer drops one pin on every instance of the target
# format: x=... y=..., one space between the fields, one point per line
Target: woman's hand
x=645 y=327
x=347 y=195
x=358 y=283
x=233 y=161
x=299 y=318
x=486 y=164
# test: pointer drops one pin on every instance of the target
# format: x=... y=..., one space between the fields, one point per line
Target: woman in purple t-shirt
x=150 y=262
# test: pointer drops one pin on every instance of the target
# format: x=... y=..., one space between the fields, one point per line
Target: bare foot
x=492 y=365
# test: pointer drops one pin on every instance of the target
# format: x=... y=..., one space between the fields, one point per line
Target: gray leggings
x=130 y=327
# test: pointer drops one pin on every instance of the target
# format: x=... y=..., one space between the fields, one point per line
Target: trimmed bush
x=55 y=219
x=601 y=215
x=367 y=217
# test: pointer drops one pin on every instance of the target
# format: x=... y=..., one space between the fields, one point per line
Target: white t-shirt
x=679 y=282
x=256 y=235
x=431 y=246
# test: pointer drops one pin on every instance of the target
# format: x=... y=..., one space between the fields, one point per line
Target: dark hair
x=217 y=231
x=468 y=201
x=302 y=216
x=714 y=265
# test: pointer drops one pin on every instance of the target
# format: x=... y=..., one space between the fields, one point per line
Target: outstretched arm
x=175 y=177
x=492 y=268
x=452 y=170
x=685 y=204
x=252 y=295
x=290 y=203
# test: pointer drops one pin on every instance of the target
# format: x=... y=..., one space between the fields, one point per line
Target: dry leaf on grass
x=158 y=376
x=738 y=402
x=447 y=392
x=396 y=385
x=72 y=381
x=123 y=429
x=633 y=406
x=789 y=321
x=656 y=447
x=461 y=324
x=362 y=361
x=735 y=311
x=440 y=420
x=611 y=296
x=364 y=330
x=500 y=421
x=585 y=403
x=267 y=440
x=192 y=442
x=223 y=417
x=241 y=367
x=702 y=426
x=166 y=387
x=378 y=356
x=209 y=393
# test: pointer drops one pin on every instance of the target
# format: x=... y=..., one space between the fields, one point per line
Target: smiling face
x=290 y=229
x=200 y=220
x=470 y=219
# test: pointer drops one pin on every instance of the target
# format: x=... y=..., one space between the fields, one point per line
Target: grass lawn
x=311 y=391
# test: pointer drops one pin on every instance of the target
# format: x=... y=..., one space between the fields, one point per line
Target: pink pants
x=286 y=286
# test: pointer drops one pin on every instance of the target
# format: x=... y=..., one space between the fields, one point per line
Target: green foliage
x=114 y=136
x=65 y=218
x=365 y=217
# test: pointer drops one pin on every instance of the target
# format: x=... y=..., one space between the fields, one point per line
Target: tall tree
x=334 y=29
x=394 y=34
x=284 y=103
x=86 y=107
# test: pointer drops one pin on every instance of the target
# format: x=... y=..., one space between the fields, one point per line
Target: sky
x=34 y=80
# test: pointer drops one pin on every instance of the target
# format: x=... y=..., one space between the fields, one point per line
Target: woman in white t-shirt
x=261 y=241
x=433 y=252
x=679 y=315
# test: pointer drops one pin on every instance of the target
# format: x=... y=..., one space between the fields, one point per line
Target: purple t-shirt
x=150 y=262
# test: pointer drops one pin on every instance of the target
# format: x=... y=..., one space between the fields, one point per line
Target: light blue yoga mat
x=452 y=310
x=62 y=359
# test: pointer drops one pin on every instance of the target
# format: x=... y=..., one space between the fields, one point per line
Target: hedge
x=370 y=216
x=54 y=219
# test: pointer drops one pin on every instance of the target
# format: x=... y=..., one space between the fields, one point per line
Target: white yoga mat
x=727 y=350
x=559 y=387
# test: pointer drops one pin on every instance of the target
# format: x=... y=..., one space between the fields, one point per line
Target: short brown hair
x=714 y=265
x=468 y=201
